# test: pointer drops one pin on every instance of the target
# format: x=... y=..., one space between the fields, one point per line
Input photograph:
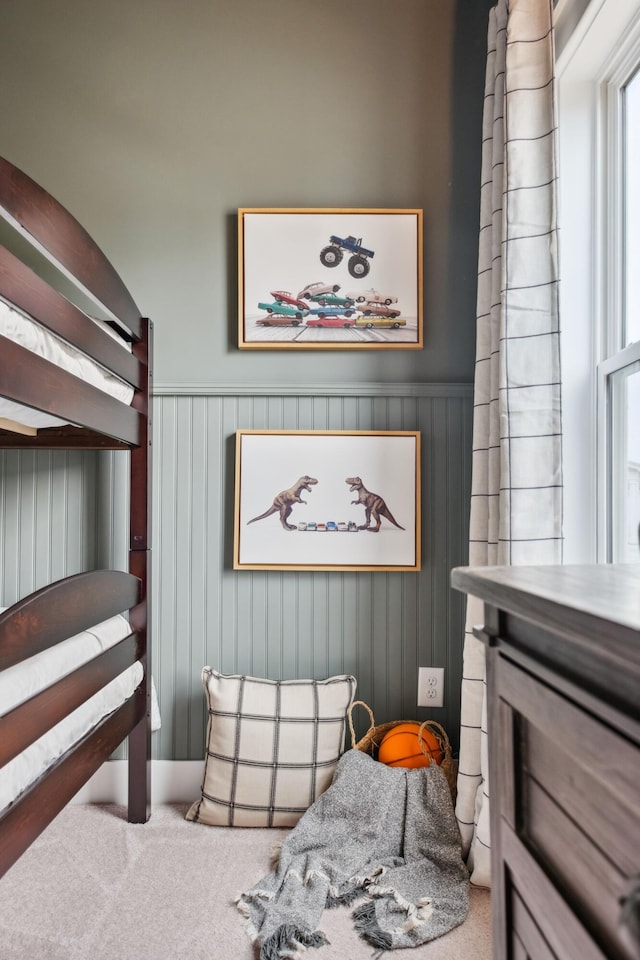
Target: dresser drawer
x=542 y=923
x=570 y=792
x=563 y=723
x=526 y=939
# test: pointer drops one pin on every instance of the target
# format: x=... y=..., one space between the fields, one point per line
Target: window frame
x=600 y=54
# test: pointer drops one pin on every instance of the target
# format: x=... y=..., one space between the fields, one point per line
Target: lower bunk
x=73 y=686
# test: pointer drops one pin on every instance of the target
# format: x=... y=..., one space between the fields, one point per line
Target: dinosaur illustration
x=374 y=506
x=284 y=501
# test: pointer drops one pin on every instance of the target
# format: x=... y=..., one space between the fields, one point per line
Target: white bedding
x=28 y=333
x=27 y=678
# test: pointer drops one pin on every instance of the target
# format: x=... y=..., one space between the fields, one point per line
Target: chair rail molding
x=168 y=388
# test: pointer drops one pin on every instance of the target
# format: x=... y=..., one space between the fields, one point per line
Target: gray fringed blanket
x=386 y=834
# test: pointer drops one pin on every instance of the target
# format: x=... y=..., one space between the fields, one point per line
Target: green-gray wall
x=153 y=122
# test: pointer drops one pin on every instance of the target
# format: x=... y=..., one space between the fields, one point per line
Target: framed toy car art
x=352 y=263
x=326 y=500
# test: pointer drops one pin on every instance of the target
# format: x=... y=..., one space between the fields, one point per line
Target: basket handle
x=441 y=736
x=359 y=703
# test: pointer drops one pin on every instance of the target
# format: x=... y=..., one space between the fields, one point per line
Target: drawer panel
x=589 y=882
x=527 y=940
x=546 y=924
x=610 y=760
x=574 y=789
x=604 y=816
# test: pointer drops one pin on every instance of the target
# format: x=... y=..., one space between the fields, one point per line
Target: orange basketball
x=400 y=747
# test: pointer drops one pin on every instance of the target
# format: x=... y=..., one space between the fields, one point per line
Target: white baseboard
x=172 y=781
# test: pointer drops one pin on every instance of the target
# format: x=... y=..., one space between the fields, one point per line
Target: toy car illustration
x=358 y=265
x=394 y=322
x=316 y=289
x=284 y=310
x=311 y=526
x=331 y=300
x=379 y=310
x=372 y=296
x=332 y=525
x=342 y=527
x=302 y=525
x=278 y=320
x=328 y=321
x=330 y=312
x=283 y=296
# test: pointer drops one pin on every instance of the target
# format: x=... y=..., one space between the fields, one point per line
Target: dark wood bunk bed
x=93 y=420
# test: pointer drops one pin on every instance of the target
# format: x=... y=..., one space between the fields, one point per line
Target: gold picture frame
x=330 y=279
x=327 y=500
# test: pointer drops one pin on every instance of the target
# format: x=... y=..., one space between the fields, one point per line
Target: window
x=599 y=133
x=621 y=371
x=618 y=395
x=631 y=120
x=623 y=462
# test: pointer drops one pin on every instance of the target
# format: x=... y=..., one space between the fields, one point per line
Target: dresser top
x=608 y=592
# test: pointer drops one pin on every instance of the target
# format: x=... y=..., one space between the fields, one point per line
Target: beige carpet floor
x=94 y=887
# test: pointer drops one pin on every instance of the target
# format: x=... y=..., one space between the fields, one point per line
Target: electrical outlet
x=430 y=686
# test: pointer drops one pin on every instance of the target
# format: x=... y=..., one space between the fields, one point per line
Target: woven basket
x=373 y=738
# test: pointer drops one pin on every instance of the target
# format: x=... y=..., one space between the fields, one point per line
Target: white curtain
x=516 y=498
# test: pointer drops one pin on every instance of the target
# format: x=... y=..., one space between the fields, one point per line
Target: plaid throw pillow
x=272 y=747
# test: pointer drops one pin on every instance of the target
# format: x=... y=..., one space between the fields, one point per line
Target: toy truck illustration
x=358 y=265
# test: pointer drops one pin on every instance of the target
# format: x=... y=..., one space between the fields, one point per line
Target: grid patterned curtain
x=516 y=506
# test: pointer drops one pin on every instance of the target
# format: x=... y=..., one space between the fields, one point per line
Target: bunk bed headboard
x=52 y=231
x=48 y=402
x=38 y=215
x=91 y=420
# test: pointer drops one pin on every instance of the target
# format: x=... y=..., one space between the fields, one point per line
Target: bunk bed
x=72 y=378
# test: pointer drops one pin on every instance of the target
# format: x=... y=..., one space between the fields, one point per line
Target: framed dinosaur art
x=327 y=500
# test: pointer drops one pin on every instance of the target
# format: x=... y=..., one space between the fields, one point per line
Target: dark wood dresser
x=563 y=687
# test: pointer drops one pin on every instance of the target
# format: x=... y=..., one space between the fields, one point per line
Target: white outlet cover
x=430 y=686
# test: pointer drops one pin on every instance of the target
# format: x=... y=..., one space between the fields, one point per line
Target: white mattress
x=23 y=330
x=27 y=678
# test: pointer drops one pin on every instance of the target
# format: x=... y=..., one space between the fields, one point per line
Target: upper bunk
x=75 y=352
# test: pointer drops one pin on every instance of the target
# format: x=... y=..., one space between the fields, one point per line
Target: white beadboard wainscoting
x=48 y=502
x=378 y=626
